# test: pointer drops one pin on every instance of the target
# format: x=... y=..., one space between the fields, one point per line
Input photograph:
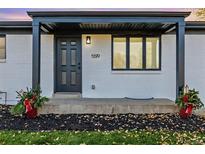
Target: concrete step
x=108 y=106
x=200 y=112
x=66 y=95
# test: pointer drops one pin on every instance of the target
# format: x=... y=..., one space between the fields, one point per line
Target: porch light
x=88 y=40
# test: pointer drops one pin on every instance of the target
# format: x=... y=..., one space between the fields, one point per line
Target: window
x=2 y=47
x=136 y=53
x=152 y=53
x=119 y=53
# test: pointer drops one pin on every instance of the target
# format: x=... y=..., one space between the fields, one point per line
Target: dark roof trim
x=195 y=24
x=15 y=24
x=107 y=13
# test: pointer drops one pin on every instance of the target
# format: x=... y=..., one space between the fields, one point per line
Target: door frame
x=56 y=37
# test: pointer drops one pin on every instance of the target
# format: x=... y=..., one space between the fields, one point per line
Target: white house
x=103 y=54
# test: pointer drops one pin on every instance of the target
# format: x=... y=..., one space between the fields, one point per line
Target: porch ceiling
x=109 y=27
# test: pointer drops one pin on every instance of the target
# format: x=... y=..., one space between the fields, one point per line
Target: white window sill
x=136 y=72
x=2 y=60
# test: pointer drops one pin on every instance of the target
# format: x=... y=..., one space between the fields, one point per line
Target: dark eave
x=15 y=24
x=195 y=25
x=107 y=13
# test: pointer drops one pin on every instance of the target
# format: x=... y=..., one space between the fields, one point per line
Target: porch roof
x=108 y=21
x=126 y=12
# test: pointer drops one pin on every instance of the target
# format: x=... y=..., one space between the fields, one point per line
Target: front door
x=68 y=62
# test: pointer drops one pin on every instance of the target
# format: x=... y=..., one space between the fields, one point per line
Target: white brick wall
x=47 y=65
x=136 y=84
x=16 y=72
x=195 y=63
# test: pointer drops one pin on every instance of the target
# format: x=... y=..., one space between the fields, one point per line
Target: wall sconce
x=88 y=40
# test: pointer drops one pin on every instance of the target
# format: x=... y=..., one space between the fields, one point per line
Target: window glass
x=119 y=53
x=136 y=53
x=63 y=56
x=152 y=53
x=138 y=47
x=2 y=47
x=63 y=77
x=73 y=78
x=73 y=56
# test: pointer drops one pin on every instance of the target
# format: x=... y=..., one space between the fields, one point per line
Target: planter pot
x=32 y=114
x=186 y=112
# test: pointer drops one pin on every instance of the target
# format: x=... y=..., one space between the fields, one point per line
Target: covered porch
x=109 y=22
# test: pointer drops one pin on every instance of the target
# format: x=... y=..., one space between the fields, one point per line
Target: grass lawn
x=101 y=137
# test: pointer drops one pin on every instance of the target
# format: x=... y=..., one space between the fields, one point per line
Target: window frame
x=3 y=60
x=128 y=53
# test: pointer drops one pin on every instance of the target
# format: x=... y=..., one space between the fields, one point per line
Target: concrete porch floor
x=107 y=106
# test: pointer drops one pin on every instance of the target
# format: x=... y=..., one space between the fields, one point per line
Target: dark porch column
x=180 y=56
x=36 y=54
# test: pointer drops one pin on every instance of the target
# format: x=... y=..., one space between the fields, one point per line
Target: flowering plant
x=29 y=101
x=188 y=101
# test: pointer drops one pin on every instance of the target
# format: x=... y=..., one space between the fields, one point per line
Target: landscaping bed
x=92 y=122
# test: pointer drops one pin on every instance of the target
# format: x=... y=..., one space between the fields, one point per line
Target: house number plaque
x=97 y=55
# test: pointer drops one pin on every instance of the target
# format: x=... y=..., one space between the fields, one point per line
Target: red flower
x=189 y=109
x=186 y=112
x=27 y=104
x=185 y=98
x=183 y=113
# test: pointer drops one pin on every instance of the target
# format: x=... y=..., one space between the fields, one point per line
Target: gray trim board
x=83 y=19
x=107 y=13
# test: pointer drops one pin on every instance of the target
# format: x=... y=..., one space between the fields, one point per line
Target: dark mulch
x=91 y=122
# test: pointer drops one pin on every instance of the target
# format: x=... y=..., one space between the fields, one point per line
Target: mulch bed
x=90 y=122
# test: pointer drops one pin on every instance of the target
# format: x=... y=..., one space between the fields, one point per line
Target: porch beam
x=36 y=54
x=82 y=19
x=180 y=57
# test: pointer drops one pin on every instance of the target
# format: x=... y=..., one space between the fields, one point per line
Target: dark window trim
x=127 y=52
x=3 y=35
x=143 y=53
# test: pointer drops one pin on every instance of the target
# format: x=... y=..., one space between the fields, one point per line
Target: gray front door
x=68 y=65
